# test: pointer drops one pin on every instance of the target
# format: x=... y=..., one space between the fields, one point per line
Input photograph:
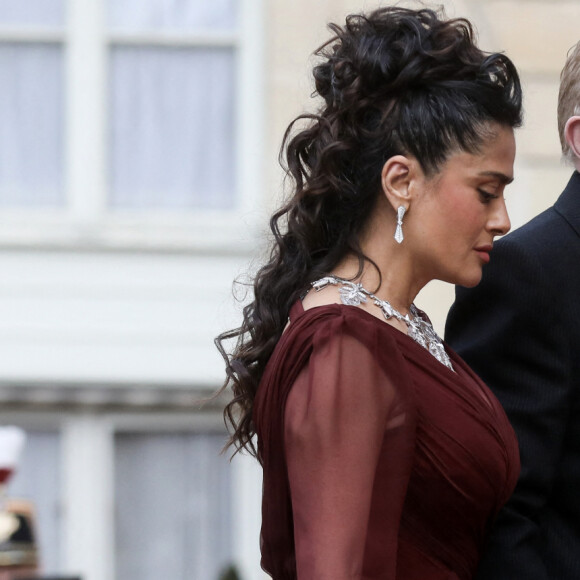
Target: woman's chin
x=468 y=280
x=471 y=282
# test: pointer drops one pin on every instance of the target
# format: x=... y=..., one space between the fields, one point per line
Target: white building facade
x=130 y=147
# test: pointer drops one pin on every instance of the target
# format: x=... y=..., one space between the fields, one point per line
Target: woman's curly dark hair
x=394 y=81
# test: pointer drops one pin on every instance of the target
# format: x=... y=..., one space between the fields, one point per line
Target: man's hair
x=569 y=95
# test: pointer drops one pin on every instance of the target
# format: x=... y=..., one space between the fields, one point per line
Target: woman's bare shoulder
x=328 y=295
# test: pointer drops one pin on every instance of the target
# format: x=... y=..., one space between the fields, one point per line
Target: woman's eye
x=485 y=196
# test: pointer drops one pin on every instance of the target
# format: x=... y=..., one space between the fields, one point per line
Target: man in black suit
x=520 y=331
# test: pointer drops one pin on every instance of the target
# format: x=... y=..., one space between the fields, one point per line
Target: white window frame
x=85 y=222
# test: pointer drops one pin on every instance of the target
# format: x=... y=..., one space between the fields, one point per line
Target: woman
x=384 y=456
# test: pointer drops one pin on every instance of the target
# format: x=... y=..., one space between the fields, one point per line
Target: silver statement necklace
x=419 y=330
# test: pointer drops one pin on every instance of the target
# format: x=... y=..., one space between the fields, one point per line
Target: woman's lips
x=483 y=252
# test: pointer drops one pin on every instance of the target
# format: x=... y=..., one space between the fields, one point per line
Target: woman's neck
x=392 y=284
x=397 y=279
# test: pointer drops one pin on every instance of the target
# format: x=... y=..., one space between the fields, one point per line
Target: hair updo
x=395 y=81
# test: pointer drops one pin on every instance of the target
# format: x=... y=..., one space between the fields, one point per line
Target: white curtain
x=172 y=507
x=38 y=479
x=170 y=110
x=176 y=15
x=32 y=12
x=31 y=125
x=171 y=130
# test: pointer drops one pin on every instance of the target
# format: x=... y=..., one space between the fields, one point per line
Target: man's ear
x=572 y=135
x=396 y=177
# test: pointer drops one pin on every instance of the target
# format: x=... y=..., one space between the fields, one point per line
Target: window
x=131 y=496
x=129 y=123
x=171 y=104
x=173 y=516
x=38 y=479
x=31 y=104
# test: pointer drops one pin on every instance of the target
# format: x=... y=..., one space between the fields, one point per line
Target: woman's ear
x=572 y=135
x=396 y=177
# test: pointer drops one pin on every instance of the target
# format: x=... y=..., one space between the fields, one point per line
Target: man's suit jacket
x=519 y=329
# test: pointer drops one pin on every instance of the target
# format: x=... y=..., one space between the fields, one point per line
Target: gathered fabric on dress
x=379 y=461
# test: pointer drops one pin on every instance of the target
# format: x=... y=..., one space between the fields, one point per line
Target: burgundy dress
x=379 y=461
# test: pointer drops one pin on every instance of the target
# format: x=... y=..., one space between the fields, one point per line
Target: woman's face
x=457 y=212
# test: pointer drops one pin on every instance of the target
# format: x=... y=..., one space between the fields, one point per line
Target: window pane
x=171 y=115
x=172 y=506
x=31 y=114
x=37 y=479
x=176 y=15
x=32 y=12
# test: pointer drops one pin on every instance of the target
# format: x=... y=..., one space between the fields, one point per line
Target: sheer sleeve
x=336 y=419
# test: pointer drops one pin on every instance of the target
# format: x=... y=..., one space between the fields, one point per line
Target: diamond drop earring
x=399 y=237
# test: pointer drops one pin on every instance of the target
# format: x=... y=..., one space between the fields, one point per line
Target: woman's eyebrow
x=502 y=177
